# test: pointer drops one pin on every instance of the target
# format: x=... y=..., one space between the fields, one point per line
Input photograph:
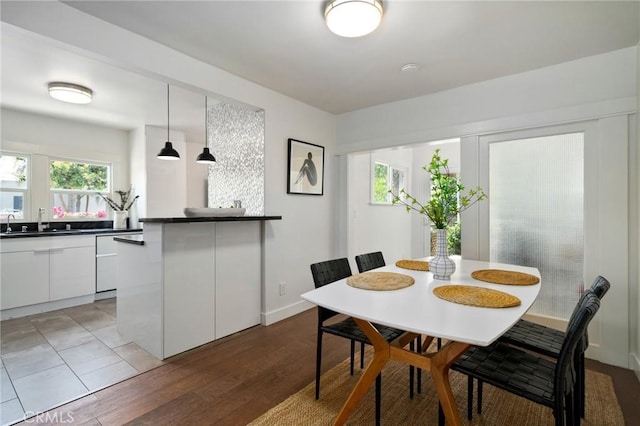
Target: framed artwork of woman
x=306 y=168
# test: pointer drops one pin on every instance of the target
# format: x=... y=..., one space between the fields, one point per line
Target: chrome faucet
x=9 y=216
x=41 y=226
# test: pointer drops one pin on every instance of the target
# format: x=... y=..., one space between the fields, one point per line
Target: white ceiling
x=285 y=46
x=122 y=99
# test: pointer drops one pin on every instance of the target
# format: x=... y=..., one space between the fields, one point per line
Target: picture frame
x=305 y=165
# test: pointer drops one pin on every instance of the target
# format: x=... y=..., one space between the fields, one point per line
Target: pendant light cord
x=206 y=122
x=168 y=112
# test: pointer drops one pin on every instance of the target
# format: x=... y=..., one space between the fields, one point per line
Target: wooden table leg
x=440 y=363
x=380 y=359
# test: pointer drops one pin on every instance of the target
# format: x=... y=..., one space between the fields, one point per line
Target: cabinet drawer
x=71 y=241
x=46 y=243
x=106 y=245
x=25 y=244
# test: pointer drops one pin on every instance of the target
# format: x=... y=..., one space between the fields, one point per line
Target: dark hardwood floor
x=234 y=380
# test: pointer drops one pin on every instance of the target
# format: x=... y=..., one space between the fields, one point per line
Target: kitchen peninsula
x=190 y=280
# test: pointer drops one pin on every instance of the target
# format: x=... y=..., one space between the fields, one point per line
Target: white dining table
x=418 y=311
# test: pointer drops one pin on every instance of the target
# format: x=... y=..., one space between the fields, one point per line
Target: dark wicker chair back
x=328 y=272
x=369 y=261
x=566 y=375
x=600 y=286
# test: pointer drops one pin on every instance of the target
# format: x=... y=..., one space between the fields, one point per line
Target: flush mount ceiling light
x=168 y=153
x=68 y=92
x=353 y=18
x=205 y=156
x=410 y=67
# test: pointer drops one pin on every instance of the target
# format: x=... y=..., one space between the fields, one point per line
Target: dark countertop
x=64 y=232
x=130 y=239
x=208 y=219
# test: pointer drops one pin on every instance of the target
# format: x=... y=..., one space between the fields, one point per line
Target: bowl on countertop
x=213 y=212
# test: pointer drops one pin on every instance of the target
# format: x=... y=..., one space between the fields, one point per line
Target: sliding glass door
x=558 y=201
x=536 y=214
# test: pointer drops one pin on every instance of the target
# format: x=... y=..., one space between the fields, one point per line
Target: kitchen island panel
x=189 y=271
x=139 y=275
x=238 y=276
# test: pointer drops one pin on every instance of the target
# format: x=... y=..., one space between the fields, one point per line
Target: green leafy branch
x=447 y=199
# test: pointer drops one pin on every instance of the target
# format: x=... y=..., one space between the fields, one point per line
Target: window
x=385 y=178
x=75 y=187
x=13 y=186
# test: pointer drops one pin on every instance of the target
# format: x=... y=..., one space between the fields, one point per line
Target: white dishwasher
x=106 y=261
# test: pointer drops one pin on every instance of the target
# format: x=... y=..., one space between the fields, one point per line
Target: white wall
x=635 y=301
x=196 y=177
x=166 y=180
x=376 y=227
x=305 y=235
x=45 y=137
x=390 y=229
x=601 y=87
x=600 y=84
x=137 y=167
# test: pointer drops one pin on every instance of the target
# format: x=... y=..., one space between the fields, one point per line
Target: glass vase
x=441 y=265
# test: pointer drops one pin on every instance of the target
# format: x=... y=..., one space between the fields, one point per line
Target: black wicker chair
x=535 y=378
x=325 y=273
x=369 y=261
x=548 y=341
x=374 y=260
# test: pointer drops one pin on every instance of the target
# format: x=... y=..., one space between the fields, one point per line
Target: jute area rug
x=498 y=407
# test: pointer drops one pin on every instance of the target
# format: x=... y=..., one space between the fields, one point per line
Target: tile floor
x=58 y=356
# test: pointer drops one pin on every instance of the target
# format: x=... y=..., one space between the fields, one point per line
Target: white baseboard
x=23 y=311
x=634 y=364
x=268 y=318
x=106 y=294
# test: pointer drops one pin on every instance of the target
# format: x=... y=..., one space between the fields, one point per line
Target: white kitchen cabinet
x=189 y=282
x=72 y=267
x=43 y=269
x=24 y=277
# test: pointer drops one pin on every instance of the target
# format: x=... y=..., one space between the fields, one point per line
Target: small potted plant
x=121 y=209
x=447 y=201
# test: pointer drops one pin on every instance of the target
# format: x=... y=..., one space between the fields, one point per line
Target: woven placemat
x=498 y=276
x=415 y=265
x=380 y=281
x=476 y=296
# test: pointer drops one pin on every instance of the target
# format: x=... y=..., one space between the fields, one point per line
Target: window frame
x=390 y=170
x=26 y=193
x=107 y=193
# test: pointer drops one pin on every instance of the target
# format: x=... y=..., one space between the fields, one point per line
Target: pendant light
x=205 y=156
x=168 y=153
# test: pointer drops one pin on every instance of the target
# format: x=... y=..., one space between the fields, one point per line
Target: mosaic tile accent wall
x=236 y=139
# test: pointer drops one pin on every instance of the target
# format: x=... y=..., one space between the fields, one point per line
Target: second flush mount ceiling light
x=69 y=92
x=353 y=18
